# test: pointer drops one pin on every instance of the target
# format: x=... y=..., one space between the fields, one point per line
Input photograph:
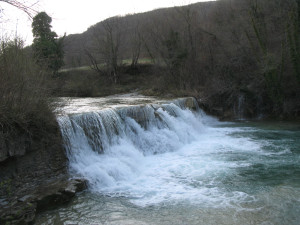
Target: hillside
x=76 y=44
x=232 y=54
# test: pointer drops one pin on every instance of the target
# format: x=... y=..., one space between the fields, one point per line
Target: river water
x=180 y=167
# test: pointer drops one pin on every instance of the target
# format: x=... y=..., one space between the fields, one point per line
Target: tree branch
x=23 y=6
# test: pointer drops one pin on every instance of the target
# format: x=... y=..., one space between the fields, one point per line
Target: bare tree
x=25 y=6
x=105 y=51
x=95 y=64
x=136 y=44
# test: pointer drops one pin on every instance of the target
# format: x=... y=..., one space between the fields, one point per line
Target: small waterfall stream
x=239 y=108
x=133 y=131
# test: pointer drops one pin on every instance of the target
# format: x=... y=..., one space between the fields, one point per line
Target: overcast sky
x=71 y=16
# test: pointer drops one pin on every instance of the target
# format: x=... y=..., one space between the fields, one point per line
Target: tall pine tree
x=47 y=48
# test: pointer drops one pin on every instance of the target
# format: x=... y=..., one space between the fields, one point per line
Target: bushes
x=24 y=100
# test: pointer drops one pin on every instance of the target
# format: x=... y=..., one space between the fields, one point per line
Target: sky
x=71 y=16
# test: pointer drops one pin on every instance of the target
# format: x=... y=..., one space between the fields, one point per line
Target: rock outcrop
x=22 y=210
x=33 y=174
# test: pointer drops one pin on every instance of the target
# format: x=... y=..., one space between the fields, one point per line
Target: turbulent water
x=165 y=164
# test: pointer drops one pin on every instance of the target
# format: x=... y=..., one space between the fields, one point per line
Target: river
x=176 y=166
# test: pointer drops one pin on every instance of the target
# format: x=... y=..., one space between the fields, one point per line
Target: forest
x=224 y=53
x=221 y=52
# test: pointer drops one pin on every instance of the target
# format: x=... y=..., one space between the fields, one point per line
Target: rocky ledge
x=22 y=209
x=33 y=172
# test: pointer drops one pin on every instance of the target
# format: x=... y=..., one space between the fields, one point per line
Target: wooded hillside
x=226 y=52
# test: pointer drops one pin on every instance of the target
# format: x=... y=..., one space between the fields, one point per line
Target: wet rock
x=13 y=147
x=3 y=149
x=48 y=196
x=76 y=185
x=57 y=193
x=3 y=202
x=17 y=147
x=227 y=115
x=18 y=213
x=190 y=103
x=26 y=198
x=33 y=173
x=218 y=111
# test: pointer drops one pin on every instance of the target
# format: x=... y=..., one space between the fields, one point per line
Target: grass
x=147 y=78
x=85 y=82
x=125 y=62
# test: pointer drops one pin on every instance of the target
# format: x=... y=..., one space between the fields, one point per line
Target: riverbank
x=33 y=173
x=149 y=79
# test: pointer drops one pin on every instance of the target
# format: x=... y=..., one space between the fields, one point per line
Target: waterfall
x=240 y=107
x=107 y=146
x=169 y=163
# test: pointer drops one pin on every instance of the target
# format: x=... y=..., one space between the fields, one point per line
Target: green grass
x=125 y=62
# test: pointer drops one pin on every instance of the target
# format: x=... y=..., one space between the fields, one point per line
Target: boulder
x=22 y=210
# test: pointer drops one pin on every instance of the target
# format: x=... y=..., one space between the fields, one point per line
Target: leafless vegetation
x=25 y=6
x=105 y=49
x=24 y=103
x=219 y=50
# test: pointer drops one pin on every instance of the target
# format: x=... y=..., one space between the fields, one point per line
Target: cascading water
x=106 y=146
x=239 y=107
x=162 y=163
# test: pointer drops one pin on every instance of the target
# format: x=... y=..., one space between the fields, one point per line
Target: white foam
x=178 y=157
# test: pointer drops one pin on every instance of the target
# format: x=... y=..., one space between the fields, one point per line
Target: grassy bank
x=85 y=82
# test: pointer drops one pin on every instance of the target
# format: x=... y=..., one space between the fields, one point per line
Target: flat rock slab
x=48 y=196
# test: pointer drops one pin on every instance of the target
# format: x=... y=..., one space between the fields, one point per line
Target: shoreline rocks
x=33 y=173
x=22 y=210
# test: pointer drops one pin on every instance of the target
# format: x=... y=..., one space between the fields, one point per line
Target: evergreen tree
x=47 y=48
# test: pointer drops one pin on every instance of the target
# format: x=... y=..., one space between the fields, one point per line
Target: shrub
x=24 y=100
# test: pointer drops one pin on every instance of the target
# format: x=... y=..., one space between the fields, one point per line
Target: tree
x=175 y=56
x=294 y=38
x=105 y=50
x=135 y=43
x=47 y=48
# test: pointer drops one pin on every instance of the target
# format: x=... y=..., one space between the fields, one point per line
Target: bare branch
x=22 y=5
